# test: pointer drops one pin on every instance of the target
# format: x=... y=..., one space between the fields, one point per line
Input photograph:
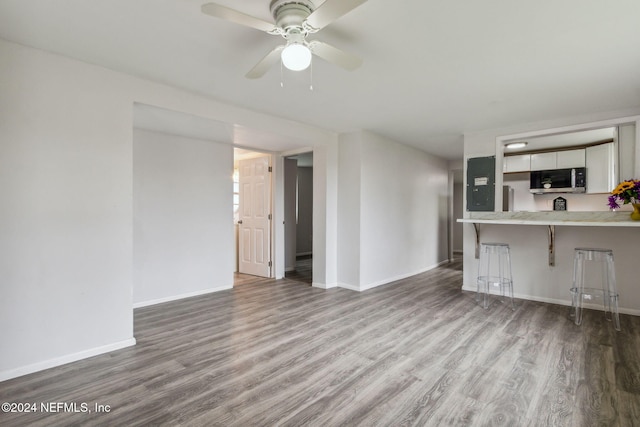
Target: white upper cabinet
x=542 y=161
x=520 y=163
x=558 y=160
x=600 y=168
x=571 y=159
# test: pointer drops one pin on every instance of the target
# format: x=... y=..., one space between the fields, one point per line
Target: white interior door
x=254 y=225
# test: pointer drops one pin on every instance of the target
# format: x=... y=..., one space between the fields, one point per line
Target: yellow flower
x=626 y=185
x=623 y=186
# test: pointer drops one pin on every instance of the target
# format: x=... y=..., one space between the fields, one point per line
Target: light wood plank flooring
x=416 y=353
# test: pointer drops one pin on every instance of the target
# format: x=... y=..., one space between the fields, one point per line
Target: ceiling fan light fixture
x=296 y=57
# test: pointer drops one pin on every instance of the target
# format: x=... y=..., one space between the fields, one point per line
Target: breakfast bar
x=542 y=256
x=550 y=220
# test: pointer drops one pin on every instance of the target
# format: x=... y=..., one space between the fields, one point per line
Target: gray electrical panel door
x=481 y=182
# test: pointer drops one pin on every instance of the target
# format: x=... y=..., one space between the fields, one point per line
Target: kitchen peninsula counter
x=569 y=218
x=551 y=219
x=542 y=249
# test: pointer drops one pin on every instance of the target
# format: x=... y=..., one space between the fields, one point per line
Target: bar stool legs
x=494 y=272
x=581 y=292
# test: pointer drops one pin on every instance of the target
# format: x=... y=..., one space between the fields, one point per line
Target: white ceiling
x=433 y=69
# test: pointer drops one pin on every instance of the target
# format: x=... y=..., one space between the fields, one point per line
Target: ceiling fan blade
x=334 y=55
x=265 y=63
x=237 y=17
x=331 y=10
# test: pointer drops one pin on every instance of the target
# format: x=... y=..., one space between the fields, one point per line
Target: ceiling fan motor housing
x=290 y=14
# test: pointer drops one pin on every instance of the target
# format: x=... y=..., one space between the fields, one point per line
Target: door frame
x=277 y=205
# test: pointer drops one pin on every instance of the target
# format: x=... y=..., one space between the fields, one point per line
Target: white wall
x=350 y=176
x=404 y=203
x=182 y=212
x=66 y=263
x=325 y=215
x=65 y=251
x=400 y=196
x=458 y=212
x=629 y=154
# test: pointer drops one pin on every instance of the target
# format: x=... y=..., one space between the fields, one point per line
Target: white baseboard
x=324 y=285
x=63 y=360
x=349 y=286
x=372 y=285
x=181 y=296
x=566 y=302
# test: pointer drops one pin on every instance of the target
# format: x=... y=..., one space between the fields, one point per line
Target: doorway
x=298 y=211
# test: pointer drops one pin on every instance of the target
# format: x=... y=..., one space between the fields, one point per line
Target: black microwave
x=571 y=180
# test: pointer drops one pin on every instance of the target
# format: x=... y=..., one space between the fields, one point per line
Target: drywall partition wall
x=325 y=214
x=458 y=212
x=627 y=151
x=350 y=162
x=67 y=217
x=182 y=212
x=304 y=231
x=65 y=250
x=403 y=210
x=393 y=211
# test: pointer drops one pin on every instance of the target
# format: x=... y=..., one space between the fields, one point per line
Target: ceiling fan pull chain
x=281 y=75
x=311 y=76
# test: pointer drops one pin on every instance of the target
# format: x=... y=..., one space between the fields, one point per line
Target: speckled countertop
x=585 y=219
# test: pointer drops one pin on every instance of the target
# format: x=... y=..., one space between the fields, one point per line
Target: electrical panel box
x=481 y=182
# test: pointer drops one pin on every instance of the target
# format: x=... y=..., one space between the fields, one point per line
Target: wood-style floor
x=419 y=352
x=302 y=272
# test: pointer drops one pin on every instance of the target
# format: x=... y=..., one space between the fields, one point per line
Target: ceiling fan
x=294 y=21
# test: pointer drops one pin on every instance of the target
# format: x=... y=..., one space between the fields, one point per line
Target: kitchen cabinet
x=519 y=163
x=558 y=160
x=600 y=161
x=570 y=159
x=542 y=161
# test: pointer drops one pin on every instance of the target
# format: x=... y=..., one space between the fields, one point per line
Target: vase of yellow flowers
x=627 y=192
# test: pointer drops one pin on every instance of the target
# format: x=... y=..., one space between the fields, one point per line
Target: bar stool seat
x=494 y=272
x=591 y=265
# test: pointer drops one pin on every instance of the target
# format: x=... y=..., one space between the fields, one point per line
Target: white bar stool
x=494 y=272
x=601 y=267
